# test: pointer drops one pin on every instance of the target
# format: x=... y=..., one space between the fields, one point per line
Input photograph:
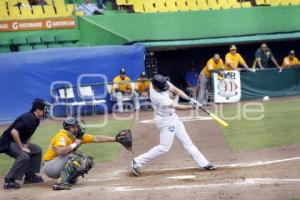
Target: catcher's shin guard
x=77 y=165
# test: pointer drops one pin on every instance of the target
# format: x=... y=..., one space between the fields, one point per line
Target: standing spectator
x=291 y=60
x=234 y=59
x=122 y=88
x=142 y=85
x=15 y=142
x=89 y=8
x=215 y=63
x=191 y=79
x=263 y=56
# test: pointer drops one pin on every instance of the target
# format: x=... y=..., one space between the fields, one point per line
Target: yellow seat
x=273 y=2
x=203 y=5
x=12 y=3
x=49 y=11
x=38 y=11
x=122 y=2
x=193 y=5
x=3 y=13
x=246 y=4
x=172 y=5
x=183 y=5
x=260 y=2
x=234 y=4
x=70 y=9
x=138 y=7
x=26 y=13
x=150 y=6
x=14 y=13
x=213 y=4
x=162 y=6
x=224 y=4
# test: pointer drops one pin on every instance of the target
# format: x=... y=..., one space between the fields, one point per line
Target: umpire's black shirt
x=25 y=124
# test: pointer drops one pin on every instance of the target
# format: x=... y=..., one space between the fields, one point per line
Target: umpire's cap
x=70 y=122
x=160 y=82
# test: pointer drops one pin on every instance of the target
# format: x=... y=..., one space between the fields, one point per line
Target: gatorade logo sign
x=40 y=24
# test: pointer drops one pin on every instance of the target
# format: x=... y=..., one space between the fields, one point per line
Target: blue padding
x=28 y=75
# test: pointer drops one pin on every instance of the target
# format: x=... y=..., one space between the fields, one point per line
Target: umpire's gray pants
x=203 y=88
x=25 y=163
x=53 y=168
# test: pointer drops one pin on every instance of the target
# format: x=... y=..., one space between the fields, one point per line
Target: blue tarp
x=28 y=75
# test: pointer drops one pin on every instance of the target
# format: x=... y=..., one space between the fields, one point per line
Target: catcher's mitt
x=124 y=137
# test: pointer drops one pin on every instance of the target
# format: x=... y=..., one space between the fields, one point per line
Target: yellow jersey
x=63 y=139
x=235 y=60
x=121 y=85
x=287 y=61
x=142 y=86
x=211 y=65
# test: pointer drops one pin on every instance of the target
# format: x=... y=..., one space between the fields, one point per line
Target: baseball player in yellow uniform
x=215 y=63
x=62 y=160
x=291 y=60
x=122 y=87
x=142 y=85
x=234 y=59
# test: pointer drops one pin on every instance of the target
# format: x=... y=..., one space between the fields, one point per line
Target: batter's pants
x=167 y=134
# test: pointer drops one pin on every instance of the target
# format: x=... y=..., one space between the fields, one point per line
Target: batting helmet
x=160 y=82
x=70 y=122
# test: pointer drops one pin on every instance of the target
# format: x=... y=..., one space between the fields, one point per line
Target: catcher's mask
x=160 y=82
x=41 y=104
x=71 y=122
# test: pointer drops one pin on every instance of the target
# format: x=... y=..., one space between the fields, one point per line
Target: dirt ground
x=175 y=176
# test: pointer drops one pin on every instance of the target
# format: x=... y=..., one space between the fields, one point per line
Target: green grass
x=280 y=126
x=100 y=152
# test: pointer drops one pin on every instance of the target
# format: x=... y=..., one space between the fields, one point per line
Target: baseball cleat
x=11 y=184
x=33 y=178
x=135 y=168
x=210 y=167
x=61 y=186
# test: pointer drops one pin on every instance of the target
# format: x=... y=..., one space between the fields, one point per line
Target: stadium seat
x=66 y=38
x=224 y=4
x=213 y=4
x=150 y=6
x=260 y=2
x=38 y=11
x=12 y=3
x=246 y=4
x=162 y=6
x=70 y=9
x=49 y=11
x=19 y=41
x=39 y=46
x=79 y=13
x=193 y=4
x=172 y=5
x=25 y=48
x=203 y=5
x=273 y=2
x=47 y=39
x=235 y=4
x=14 y=13
x=183 y=5
x=5 y=49
x=138 y=7
x=33 y=39
x=55 y=45
x=62 y=10
x=27 y=13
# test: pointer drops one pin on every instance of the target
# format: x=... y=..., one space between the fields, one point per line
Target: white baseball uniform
x=169 y=125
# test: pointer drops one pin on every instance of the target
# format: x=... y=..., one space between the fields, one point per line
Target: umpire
x=15 y=143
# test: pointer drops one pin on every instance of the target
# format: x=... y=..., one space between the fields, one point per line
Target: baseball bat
x=216 y=118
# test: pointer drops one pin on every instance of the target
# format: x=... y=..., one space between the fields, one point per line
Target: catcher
x=64 y=162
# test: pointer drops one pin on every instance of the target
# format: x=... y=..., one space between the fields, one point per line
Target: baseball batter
x=169 y=124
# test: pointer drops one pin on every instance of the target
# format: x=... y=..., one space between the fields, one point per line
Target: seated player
x=215 y=63
x=122 y=88
x=291 y=60
x=191 y=79
x=234 y=59
x=142 y=85
x=63 y=161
